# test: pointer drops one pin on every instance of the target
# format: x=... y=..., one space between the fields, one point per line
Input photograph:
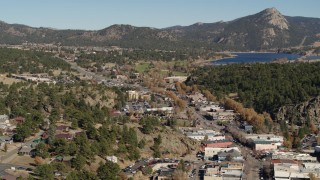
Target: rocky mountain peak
x=273 y=17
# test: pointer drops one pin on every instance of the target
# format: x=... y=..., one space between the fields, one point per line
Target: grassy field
x=142 y=67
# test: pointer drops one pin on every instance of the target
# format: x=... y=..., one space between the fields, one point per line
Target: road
x=81 y=70
x=251 y=164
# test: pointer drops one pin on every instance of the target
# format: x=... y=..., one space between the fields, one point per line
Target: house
x=248 y=128
x=26 y=150
x=62 y=128
x=165 y=174
x=6 y=140
x=113 y=159
x=19 y=120
x=4 y=119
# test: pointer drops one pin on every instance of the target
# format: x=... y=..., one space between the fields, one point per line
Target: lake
x=255 y=58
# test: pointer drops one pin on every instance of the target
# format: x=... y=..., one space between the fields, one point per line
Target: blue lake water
x=255 y=58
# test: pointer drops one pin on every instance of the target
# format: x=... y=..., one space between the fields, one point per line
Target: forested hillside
x=261 y=31
x=19 y=61
x=265 y=87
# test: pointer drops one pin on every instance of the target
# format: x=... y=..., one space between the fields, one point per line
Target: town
x=212 y=140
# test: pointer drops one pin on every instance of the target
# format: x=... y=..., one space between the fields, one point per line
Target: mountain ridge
x=264 y=30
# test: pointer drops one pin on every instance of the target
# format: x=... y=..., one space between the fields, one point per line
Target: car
x=21 y=168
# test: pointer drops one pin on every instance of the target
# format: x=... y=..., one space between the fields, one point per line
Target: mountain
x=264 y=30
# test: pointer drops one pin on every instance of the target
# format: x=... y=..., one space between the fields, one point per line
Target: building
x=5 y=140
x=264 y=145
x=301 y=157
x=231 y=155
x=210 y=152
x=19 y=120
x=205 y=134
x=213 y=173
x=165 y=174
x=317 y=149
x=265 y=137
x=26 y=150
x=295 y=171
x=4 y=119
x=231 y=170
x=222 y=116
x=216 y=144
x=133 y=95
x=113 y=159
x=175 y=79
x=211 y=108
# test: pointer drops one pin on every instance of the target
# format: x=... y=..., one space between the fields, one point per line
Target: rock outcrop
x=300 y=113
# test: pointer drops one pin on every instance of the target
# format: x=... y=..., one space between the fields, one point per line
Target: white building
x=4 y=119
x=294 y=171
x=113 y=159
x=294 y=156
x=278 y=140
x=200 y=135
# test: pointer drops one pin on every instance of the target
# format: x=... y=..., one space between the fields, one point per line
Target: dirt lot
x=22 y=160
x=6 y=80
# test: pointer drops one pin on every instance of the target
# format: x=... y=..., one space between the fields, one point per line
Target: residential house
x=113 y=159
x=4 y=119
x=19 y=120
x=63 y=128
x=165 y=174
x=26 y=150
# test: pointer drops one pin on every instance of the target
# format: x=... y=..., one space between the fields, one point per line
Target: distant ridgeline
x=268 y=29
x=265 y=87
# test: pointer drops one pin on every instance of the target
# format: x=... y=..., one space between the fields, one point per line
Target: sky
x=98 y=14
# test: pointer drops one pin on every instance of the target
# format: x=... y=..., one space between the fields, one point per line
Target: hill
x=268 y=29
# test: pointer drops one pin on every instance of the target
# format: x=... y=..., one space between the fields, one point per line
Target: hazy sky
x=98 y=14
